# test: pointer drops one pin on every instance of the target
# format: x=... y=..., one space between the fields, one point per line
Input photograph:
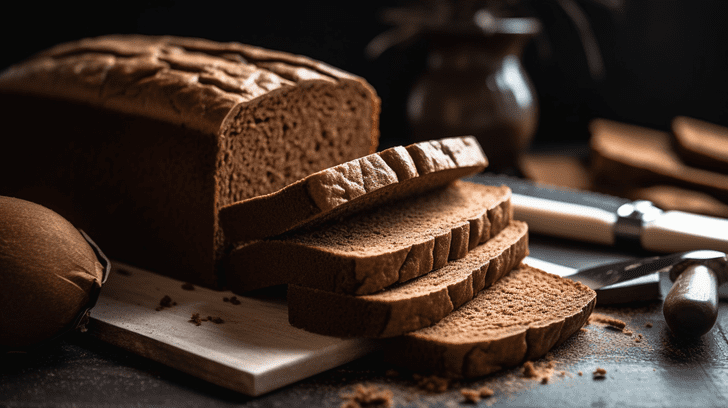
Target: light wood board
x=254 y=351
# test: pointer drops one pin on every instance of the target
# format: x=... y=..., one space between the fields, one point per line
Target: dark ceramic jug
x=475 y=85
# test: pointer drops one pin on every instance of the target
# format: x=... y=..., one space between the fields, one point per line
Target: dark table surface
x=660 y=370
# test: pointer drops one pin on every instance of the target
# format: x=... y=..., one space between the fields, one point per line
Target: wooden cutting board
x=253 y=351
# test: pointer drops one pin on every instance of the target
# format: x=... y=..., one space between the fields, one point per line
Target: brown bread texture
x=374 y=249
x=520 y=318
x=412 y=305
x=701 y=144
x=141 y=140
x=624 y=153
x=353 y=186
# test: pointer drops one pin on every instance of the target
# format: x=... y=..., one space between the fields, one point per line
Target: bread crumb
x=165 y=302
x=188 y=286
x=529 y=371
x=432 y=383
x=234 y=300
x=628 y=332
x=367 y=395
x=542 y=372
x=473 y=396
x=196 y=319
x=580 y=373
x=609 y=321
x=648 y=325
x=600 y=373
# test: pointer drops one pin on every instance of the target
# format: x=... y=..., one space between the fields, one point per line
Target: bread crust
x=640 y=155
x=412 y=305
x=470 y=342
x=140 y=140
x=372 y=250
x=354 y=186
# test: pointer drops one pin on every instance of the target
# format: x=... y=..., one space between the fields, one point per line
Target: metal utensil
x=691 y=306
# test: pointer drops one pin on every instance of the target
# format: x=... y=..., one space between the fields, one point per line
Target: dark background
x=661 y=58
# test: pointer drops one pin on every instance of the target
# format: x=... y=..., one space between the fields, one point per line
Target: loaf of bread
x=701 y=144
x=626 y=153
x=141 y=140
x=354 y=186
x=412 y=305
x=374 y=249
x=519 y=318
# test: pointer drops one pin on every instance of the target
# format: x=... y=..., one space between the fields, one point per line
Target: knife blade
x=608 y=220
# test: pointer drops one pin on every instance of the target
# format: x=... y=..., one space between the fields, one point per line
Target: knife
x=604 y=219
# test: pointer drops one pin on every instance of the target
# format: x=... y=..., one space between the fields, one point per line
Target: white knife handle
x=677 y=231
x=565 y=220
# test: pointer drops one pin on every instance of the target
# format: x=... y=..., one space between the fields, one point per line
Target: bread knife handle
x=677 y=231
x=691 y=306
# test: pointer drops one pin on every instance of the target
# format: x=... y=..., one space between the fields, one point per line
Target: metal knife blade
x=604 y=219
x=601 y=276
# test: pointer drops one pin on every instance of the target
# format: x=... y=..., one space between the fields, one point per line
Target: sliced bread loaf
x=353 y=186
x=412 y=305
x=375 y=249
x=701 y=144
x=629 y=153
x=141 y=140
x=519 y=318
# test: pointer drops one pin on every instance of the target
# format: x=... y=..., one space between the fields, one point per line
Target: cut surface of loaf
x=702 y=144
x=375 y=249
x=412 y=305
x=626 y=153
x=141 y=140
x=353 y=186
x=519 y=318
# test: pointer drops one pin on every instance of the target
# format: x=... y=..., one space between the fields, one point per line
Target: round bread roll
x=49 y=274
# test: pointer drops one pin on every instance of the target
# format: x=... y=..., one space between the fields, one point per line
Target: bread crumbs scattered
x=542 y=372
x=473 y=396
x=600 y=373
x=627 y=332
x=188 y=286
x=165 y=302
x=580 y=373
x=648 y=325
x=197 y=320
x=609 y=321
x=432 y=383
x=367 y=396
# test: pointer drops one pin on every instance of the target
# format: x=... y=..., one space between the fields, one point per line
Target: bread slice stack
x=393 y=245
x=685 y=169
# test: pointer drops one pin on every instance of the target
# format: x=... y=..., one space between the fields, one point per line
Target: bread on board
x=374 y=249
x=412 y=305
x=624 y=153
x=701 y=144
x=521 y=317
x=353 y=186
x=141 y=140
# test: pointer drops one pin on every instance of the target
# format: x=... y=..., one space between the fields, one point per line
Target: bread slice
x=141 y=140
x=413 y=305
x=629 y=153
x=375 y=249
x=519 y=318
x=701 y=144
x=353 y=186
